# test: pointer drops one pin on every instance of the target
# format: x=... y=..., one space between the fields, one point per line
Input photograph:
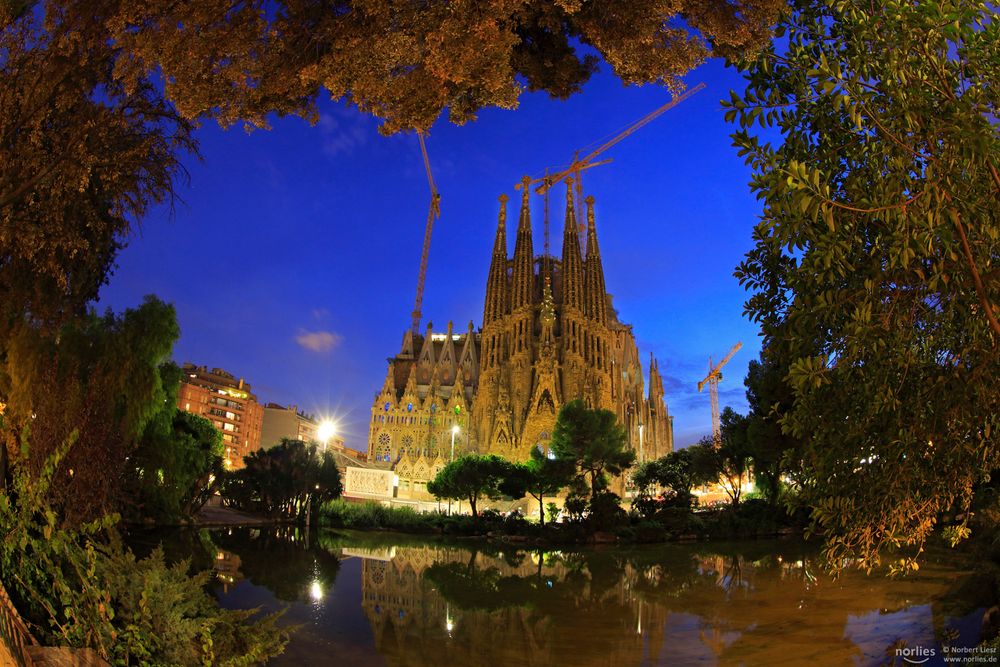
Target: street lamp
x=454 y=432
x=325 y=431
x=642 y=456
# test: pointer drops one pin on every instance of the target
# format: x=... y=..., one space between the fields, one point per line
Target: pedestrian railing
x=14 y=633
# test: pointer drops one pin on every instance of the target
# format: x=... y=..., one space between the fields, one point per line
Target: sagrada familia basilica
x=549 y=335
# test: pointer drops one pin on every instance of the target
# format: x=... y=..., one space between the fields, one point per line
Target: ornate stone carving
x=369 y=482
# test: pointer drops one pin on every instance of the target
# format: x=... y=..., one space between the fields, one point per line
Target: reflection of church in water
x=414 y=624
x=549 y=335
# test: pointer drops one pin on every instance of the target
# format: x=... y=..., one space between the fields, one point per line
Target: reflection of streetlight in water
x=316 y=591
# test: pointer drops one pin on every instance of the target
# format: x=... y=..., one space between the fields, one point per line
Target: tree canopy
x=539 y=477
x=282 y=481
x=874 y=273
x=775 y=453
x=593 y=441
x=728 y=463
x=665 y=482
x=96 y=383
x=178 y=461
x=85 y=154
x=403 y=62
x=469 y=478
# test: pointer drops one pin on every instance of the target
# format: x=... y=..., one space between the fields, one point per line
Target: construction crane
x=712 y=380
x=580 y=164
x=432 y=214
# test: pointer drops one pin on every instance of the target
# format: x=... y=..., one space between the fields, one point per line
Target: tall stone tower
x=549 y=335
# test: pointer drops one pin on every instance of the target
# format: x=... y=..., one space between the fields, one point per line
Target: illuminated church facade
x=549 y=335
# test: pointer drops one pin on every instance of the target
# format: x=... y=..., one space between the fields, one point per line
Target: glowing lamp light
x=326 y=430
x=316 y=591
x=454 y=429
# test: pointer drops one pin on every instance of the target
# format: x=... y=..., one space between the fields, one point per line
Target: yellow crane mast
x=712 y=380
x=433 y=213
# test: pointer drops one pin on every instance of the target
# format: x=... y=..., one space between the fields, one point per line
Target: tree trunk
x=541 y=509
x=3 y=466
x=472 y=504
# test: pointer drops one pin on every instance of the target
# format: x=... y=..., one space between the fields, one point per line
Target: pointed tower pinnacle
x=548 y=314
x=572 y=264
x=547 y=318
x=389 y=386
x=522 y=284
x=426 y=360
x=655 y=381
x=468 y=361
x=596 y=294
x=411 y=384
x=496 y=281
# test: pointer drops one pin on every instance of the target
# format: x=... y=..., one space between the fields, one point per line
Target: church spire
x=656 y=405
x=547 y=316
x=596 y=294
x=389 y=386
x=522 y=285
x=496 y=282
x=572 y=265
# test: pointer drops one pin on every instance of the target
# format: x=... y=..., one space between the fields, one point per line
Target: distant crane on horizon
x=712 y=380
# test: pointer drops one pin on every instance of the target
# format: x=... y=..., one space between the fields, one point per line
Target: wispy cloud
x=344 y=133
x=673 y=384
x=318 y=341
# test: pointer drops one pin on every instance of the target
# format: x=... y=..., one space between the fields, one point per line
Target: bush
x=371 y=515
x=166 y=617
x=643 y=532
x=551 y=512
x=576 y=506
x=83 y=589
x=650 y=507
x=752 y=518
x=491 y=516
x=606 y=512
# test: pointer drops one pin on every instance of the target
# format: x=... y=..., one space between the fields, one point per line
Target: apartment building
x=228 y=403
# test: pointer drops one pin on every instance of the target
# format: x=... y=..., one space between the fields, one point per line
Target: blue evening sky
x=292 y=259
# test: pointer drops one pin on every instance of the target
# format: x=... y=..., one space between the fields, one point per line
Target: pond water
x=387 y=599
